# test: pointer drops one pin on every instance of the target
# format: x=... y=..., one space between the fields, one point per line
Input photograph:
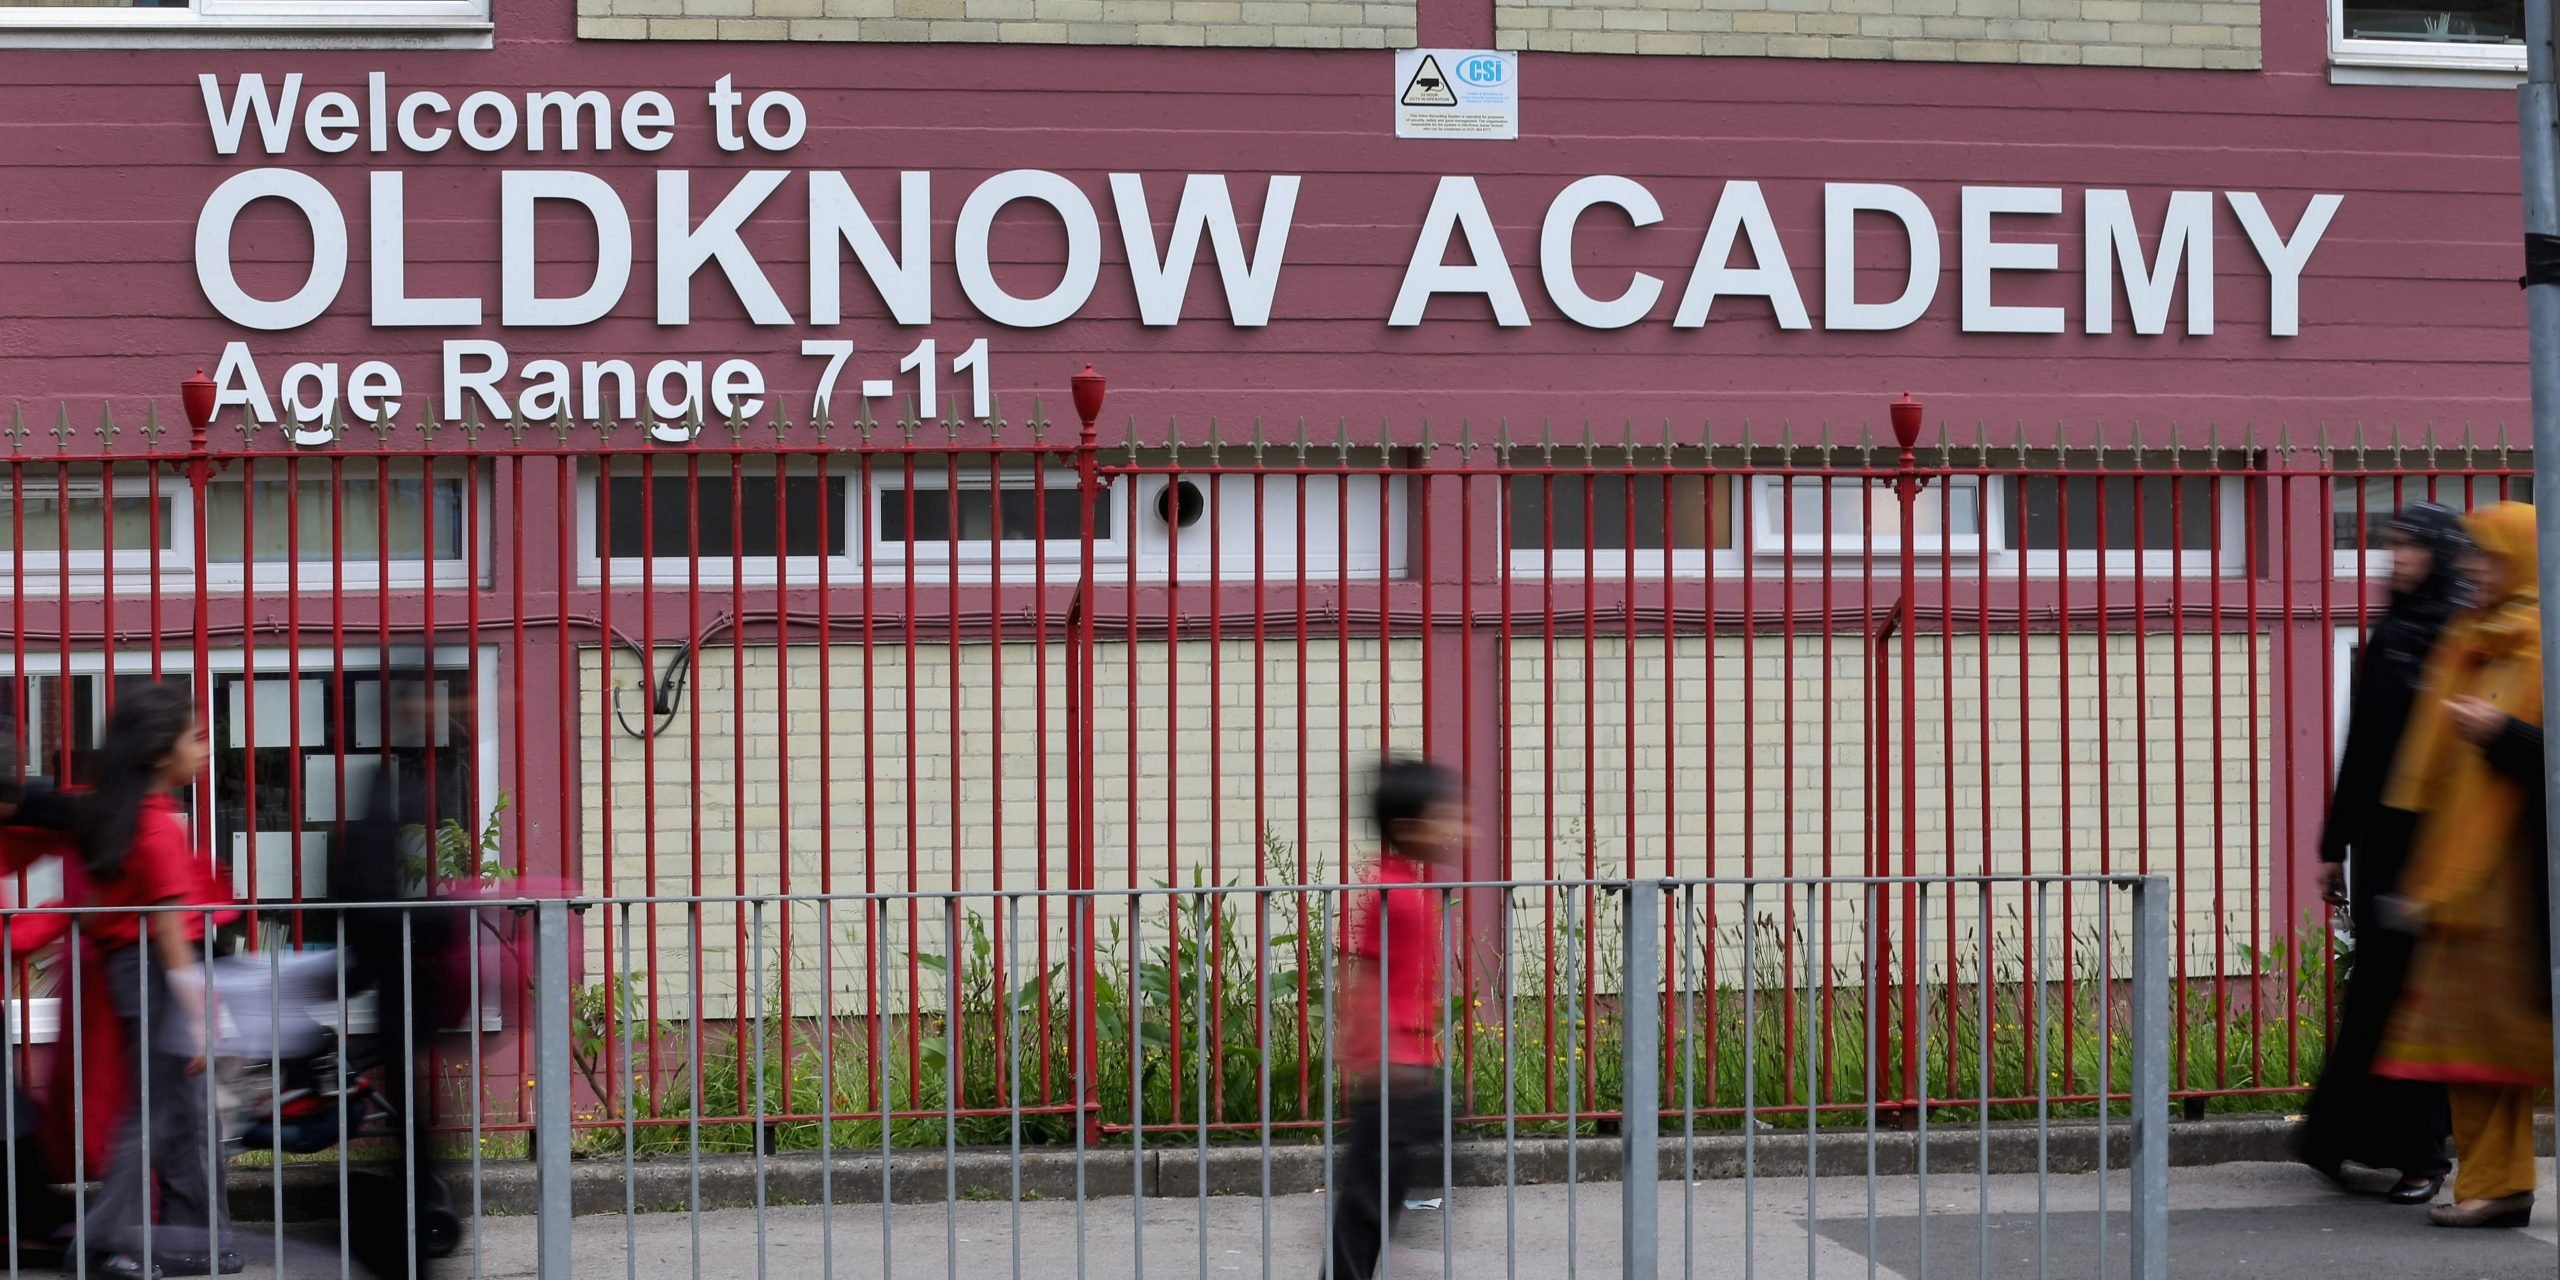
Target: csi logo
x=1482 y=72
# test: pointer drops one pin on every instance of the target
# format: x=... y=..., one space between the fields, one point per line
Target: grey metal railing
x=968 y=1062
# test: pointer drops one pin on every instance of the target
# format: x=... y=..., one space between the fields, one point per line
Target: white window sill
x=2424 y=65
x=2427 y=77
x=79 y=29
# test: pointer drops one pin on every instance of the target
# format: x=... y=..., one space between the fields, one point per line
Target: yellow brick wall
x=2119 y=33
x=1708 y=743
x=1285 y=24
x=1684 y=745
x=1194 y=792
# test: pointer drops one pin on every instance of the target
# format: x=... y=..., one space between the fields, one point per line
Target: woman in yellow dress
x=2476 y=1013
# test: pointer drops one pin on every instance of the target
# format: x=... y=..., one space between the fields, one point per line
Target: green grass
x=1201 y=980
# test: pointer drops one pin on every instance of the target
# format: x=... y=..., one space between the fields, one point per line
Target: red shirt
x=162 y=867
x=1401 y=929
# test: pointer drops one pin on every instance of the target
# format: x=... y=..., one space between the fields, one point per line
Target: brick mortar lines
x=1143 y=23
x=2142 y=33
x=2153 y=33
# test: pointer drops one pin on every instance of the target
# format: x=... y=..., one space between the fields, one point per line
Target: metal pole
x=551 y=1088
x=1640 y=1158
x=2538 y=112
x=1905 y=417
x=2149 y=1044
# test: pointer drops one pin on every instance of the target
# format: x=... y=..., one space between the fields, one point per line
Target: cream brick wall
x=1704 y=800
x=1712 y=736
x=2117 y=33
x=1252 y=24
x=1191 y=806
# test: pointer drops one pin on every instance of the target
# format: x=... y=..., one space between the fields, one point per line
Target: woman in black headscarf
x=2355 y=1115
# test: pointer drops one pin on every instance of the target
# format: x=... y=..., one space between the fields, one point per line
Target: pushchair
x=295 y=1081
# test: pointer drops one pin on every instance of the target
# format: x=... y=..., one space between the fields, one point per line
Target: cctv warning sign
x=1428 y=86
x=1457 y=93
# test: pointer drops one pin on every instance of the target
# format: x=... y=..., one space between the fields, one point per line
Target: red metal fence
x=782 y=659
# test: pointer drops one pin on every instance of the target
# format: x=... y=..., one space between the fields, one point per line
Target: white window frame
x=44 y=1013
x=2373 y=562
x=977 y=559
x=1769 y=541
x=278 y=663
x=1141 y=548
x=2228 y=557
x=1726 y=561
x=1762 y=549
x=358 y=572
x=448 y=24
x=856 y=518
x=713 y=570
x=45 y=569
x=2451 y=62
x=1336 y=549
x=52 y=574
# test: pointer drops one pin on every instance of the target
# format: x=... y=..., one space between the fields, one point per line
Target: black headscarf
x=2397 y=650
x=2393 y=664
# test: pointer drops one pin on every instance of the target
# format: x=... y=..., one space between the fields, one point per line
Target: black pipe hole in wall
x=1181 y=504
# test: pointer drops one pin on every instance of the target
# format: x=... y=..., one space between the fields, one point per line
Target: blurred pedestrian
x=2355 y=1115
x=31 y=822
x=1387 y=1027
x=2476 y=1014
x=404 y=956
x=134 y=852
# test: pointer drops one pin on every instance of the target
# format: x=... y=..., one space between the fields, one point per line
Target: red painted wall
x=2410 y=314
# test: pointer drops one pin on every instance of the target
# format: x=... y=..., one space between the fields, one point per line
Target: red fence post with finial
x=1905 y=414
x=1087 y=388
x=199 y=397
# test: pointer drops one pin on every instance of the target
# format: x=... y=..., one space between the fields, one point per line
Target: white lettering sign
x=298 y=131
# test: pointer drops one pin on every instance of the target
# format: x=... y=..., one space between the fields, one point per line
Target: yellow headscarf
x=2494 y=654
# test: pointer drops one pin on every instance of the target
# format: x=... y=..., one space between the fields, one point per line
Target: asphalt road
x=2231 y=1222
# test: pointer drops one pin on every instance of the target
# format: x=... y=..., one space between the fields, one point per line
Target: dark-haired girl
x=134 y=852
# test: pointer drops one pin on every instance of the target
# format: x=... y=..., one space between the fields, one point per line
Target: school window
x=1632 y=515
x=979 y=511
x=1608 y=511
x=356 y=518
x=1856 y=515
x=755 y=524
x=1622 y=513
x=2118 y=513
x=2361 y=506
x=2138 y=523
x=976 y=521
x=77 y=23
x=84 y=523
x=717 y=515
x=293 y=753
x=295 y=758
x=2427 y=35
x=98 y=531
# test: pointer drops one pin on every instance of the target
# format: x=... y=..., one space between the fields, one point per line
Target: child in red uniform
x=135 y=852
x=30 y=823
x=1391 y=966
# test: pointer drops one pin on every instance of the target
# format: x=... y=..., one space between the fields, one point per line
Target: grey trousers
x=178 y=1159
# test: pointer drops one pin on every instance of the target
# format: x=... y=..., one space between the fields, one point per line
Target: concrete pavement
x=2229 y=1222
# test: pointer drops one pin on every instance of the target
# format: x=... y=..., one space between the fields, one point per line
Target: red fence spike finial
x=197 y=394
x=1906 y=420
x=1088 y=388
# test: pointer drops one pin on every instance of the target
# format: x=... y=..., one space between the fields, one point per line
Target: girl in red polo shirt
x=135 y=852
